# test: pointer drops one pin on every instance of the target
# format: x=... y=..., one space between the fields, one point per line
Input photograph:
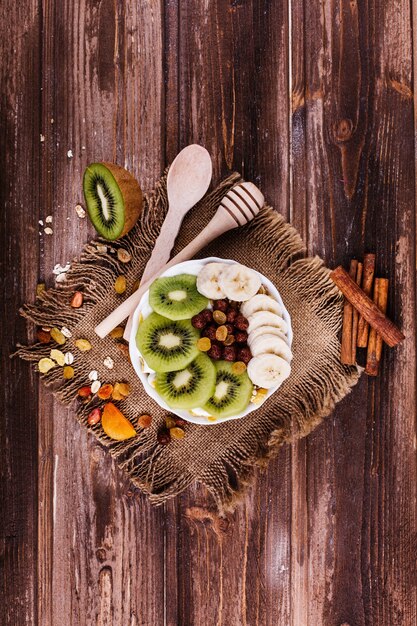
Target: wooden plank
x=101 y=547
x=353 y=190
x=19 y=158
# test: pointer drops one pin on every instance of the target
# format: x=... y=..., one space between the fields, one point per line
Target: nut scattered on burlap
x=221 y=456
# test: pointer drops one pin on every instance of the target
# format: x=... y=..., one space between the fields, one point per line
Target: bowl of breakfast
x=211 y=340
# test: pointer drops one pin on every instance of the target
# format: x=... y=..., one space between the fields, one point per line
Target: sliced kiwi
x=113 y=198
x=176 y=297
x=167 y=345
x=232 y=393
x=190 y=387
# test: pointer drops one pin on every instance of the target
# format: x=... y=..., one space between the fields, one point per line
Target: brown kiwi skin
x=131 y=192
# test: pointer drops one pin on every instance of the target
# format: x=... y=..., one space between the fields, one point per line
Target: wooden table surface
x=313 y=101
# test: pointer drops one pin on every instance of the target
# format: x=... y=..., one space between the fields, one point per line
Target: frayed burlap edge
x=158 y=471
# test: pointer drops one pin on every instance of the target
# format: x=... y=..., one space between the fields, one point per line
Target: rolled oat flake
x=93 y=375
x=95 y=386
x=69 y=358
x=108 y=362
x=66 y=332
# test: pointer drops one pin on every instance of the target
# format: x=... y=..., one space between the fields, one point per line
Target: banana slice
x=208 y=280
x=260 y=302
x=271 y=344
x=266 y=318
x=268 y=370
x=266 y=330
x=239 y=283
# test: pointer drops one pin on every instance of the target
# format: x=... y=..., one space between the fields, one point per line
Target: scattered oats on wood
x=42 y=138
x=80 y=210
x=48 y=231
x=48 y=219
x=70 y=154
x=41 y=222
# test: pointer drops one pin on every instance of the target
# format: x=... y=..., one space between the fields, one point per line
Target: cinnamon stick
x=367 y=280
x=355 y=314
x=374 y=353
x=387 y=329
x=346 y=345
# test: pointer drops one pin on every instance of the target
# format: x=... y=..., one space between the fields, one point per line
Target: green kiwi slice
x=232 y=393
x=176 y=297
x=113 y=198
x=167 y=345
x=190 y=387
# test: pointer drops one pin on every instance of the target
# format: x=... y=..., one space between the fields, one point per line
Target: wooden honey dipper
x=238 y=207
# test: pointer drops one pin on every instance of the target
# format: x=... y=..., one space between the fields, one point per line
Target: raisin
x=204 y=344
x=221 y=333
x=198 y=321
x=176 y=433
x=164 y=437
x=241 y=322
x=170 y=422
x=77 y=300
x=245 y=355
x=84 y=392
x=229 y=353
x=44 y=336
x=219 y=317
x=238 y=367
x=120 y=284
x=105 y=391
x=94 y=417
x=180 y=422
x=229 y=340
x=145 y=421
x=241 y=336
x=215 y=352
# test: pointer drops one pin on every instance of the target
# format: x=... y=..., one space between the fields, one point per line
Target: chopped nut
x=120 y=284
x=108 y=362
x=57 y=336
x=145 y=421
x=69 y=358
x=170 y=422
x=83 y=344
x=77 y=300
x=95 y=386
x=93 y=375
x=61 y=269
x=117 y=333
x=68 y=372
x=80 y=211
x=123 y=255
x=58 y=356
x=45 y=365
x=66 y=332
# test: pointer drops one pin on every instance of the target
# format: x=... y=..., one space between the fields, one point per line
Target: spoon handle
x=163 y=245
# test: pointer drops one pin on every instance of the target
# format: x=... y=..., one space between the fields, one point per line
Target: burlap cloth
x=222 y=456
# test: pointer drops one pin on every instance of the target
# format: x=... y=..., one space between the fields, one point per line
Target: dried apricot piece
x=85 y=391
x=58 y=356
x=238 y=367
x=94 y=417
x=83 y=345
x=204 y=344
x=57 y=336
x=115 y=424
x=120 y=284
x=77 y=300
x=177 y=433
x=221 y=333
x=105 y=391
x=45 y=365
x=117 y=333
x=145 y=420
x=68 y=372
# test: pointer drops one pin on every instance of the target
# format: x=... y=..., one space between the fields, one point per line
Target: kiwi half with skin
x=167 y=345
x=190 y=387
x=113 y=197
x=176 y=297
x=232 y=392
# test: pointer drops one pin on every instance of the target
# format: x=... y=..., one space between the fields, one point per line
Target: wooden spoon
x=239 y=206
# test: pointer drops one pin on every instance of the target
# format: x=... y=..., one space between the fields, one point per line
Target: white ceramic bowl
x=144 y=309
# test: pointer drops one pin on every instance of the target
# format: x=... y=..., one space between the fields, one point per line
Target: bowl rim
x=193 y=266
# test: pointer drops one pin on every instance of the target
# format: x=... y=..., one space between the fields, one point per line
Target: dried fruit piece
x=120 y=391
x=101 y=248
x=219 y=317
x=124 y=349
x=120 y=284
x=105 y=391
x=94 y=417
x=43 y=336
x=258 y=398
x=229 y=340
x=221 y=333
x=77 y=300
x=57 y=336
x=83 y=345
x=45 y=365
x=68 y=372
x=176 y=433
x=145 y=420
x=40 y=288
x=85 y=391
x=69 y=358
x=170 y=422
x=93 y=375
x=115 y=424
x=123 y=255
x=164 y=437
x=204 y=344
x=135 y=285
x=238 y=367
x=58 y=356
x=108 y=362
x=95 y=386
x=179 y=421
x=117 y=333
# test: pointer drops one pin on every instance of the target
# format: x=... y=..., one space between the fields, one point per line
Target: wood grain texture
x=314 y=103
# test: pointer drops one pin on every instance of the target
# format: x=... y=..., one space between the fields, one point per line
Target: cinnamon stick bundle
x=374 y=352
x=368 y=309
x=367 y=280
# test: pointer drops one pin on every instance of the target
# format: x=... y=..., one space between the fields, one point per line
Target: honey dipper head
x=243 y=202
